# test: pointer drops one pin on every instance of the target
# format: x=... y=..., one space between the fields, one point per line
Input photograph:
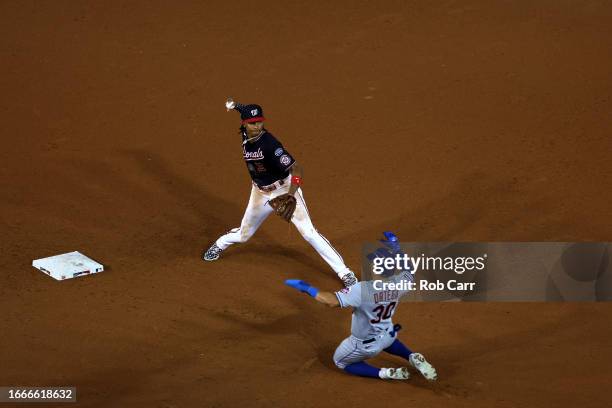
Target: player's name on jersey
x=424 y=285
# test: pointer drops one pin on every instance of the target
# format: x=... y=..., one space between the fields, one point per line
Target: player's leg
x=363 y=369
x=301 y=219
x=350 y=356
x=255 y=214
x=398 y=348
x=417 y=360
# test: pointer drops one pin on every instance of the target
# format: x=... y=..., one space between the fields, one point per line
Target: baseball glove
x=284 y=206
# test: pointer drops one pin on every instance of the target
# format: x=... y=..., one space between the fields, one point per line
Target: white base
x=67 y=266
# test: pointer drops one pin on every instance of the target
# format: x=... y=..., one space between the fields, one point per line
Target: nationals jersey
x=266 y=159
x=372 y=308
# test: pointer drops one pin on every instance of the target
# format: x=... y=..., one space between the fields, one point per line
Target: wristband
x=312 y=291
x=295 y=180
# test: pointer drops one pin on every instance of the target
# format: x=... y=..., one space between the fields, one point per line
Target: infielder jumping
x=277 y=180
x=372 y=330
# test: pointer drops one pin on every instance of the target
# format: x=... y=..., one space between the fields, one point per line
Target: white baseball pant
x=258 y=210
x=353 y=350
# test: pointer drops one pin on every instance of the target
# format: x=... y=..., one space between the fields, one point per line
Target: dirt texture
x=464 y=120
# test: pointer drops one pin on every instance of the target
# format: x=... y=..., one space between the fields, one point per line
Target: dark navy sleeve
x=280 y=157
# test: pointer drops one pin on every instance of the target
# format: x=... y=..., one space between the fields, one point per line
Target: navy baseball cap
x=251 y=113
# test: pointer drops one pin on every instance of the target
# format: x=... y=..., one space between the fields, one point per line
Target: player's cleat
x=349 y=279
x=418 y=361
x=401 y=373
x=212 y=254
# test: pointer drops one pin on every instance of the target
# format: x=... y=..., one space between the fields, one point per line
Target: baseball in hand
x=230 y=104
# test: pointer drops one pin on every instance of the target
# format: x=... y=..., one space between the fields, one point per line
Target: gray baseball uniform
x=371 y=326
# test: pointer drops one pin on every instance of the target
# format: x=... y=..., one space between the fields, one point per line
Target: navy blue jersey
x=266 y=159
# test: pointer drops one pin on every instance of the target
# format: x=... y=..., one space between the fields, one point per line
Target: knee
x=339 y=363
x=339 y=359
x=240 y=235
x=309 y=234
x=245 y=235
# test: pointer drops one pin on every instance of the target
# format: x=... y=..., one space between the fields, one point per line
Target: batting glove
x=302 y=286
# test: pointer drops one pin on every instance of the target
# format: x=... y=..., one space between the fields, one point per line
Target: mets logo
x=285 y=160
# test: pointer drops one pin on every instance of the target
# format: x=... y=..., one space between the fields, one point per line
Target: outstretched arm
x=327 y=298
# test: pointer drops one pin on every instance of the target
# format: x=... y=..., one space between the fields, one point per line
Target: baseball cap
x=250 y=113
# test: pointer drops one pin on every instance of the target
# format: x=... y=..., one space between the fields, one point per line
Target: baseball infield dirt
x=450 y=120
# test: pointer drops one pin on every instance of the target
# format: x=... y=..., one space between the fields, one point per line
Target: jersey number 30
x=382 y=312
